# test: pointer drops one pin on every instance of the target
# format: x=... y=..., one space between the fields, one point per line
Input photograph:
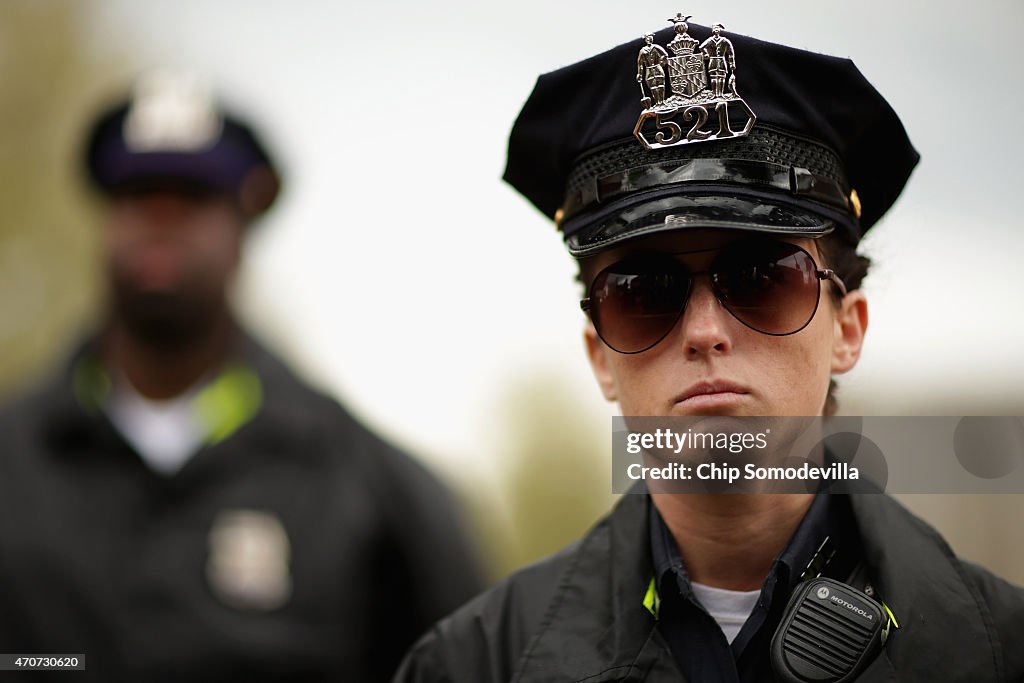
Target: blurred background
x=399 y=274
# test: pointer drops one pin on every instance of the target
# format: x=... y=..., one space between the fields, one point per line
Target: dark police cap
x=694 y=127
x=171 y=134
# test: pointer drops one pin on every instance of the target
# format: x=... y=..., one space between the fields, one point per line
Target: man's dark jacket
x=101 y=556
x=578 y=615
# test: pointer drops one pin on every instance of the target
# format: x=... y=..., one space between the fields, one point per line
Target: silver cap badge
x=172 y=111
x=699 y=101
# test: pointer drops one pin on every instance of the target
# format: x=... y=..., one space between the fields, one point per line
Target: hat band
x=794 y=180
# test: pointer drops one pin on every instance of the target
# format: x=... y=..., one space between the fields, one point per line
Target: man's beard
x=166 y=320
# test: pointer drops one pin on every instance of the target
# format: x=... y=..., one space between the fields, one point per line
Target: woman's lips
x=713 y=394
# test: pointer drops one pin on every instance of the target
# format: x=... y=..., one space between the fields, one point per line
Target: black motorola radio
x=829 y=633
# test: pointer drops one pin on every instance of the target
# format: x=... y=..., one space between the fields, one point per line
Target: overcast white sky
x=408 y=279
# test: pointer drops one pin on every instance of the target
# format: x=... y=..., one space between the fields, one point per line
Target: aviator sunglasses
x=770 y=286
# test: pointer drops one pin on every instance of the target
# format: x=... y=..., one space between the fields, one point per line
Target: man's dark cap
x=826 y=152
x=166 y=141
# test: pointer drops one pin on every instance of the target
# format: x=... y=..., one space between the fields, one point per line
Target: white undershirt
x=166 y=434
x=729 y=608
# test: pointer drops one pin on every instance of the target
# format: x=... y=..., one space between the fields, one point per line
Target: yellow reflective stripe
x=651 y=600
x=892 y=617
x=229 y=402
x=890 y=622
x=91 y=383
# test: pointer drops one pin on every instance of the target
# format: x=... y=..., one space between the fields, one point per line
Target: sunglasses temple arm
x=828 y=274
x=585 y=304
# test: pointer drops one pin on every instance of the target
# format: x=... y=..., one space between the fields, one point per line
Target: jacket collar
x=596 y=628
x=74 y=421
x=944 y=629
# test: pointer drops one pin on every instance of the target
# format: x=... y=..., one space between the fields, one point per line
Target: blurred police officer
x=715 y=217
x=176 y=504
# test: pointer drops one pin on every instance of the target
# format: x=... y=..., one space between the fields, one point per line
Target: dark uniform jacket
x=578 y=615
x=99 y=555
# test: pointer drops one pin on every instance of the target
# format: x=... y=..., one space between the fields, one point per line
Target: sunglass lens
x=771 y=287
x=636 y=302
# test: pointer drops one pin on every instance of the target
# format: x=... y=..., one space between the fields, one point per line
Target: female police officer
x=716 y=232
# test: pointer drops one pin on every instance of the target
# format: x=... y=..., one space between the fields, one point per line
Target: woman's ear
x=851 y=322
